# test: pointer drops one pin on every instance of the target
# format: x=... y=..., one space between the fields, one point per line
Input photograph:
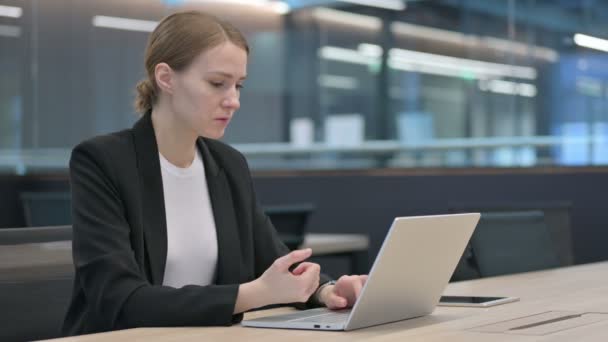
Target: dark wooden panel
x=366 y=201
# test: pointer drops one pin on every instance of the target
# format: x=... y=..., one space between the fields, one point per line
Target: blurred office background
x=363 y=110
x=358 y=110
x=332 y=84
x=354 y=112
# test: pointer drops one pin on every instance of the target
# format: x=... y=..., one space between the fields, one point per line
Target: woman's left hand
x=344 y=293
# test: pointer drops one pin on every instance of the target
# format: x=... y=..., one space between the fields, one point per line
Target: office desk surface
x=581 y=288
x=47 y=260
x=54 y=259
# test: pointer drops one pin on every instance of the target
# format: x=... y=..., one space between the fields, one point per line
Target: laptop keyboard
x=328 y=317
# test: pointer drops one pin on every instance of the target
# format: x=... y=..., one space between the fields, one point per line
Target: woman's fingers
x=284 y=263
x=333 y=301
x=302 y=268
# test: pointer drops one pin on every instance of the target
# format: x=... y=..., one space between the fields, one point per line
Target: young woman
x=167 y=229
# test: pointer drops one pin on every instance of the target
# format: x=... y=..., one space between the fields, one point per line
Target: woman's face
x=206 y=94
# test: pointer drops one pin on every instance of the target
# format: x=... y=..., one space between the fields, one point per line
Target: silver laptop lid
x=412 y=269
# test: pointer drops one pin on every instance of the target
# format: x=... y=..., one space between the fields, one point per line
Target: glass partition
x=332 y=84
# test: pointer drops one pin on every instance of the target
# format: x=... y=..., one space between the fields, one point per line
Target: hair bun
x=146 y=96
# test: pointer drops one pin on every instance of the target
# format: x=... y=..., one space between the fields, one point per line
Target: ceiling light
x=10 y=31
x=408 y=60
x=345 y=55
x=347 y=18
x=124 y=23
x=591 y=42
x=465 y=65
x=397 y=5
x=10 y=11
x=508 y=88
x=338 y=82
x=280 y=7
x=370 y=50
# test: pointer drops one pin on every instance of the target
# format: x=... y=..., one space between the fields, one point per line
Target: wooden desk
x=51 y=259
x=579 y=288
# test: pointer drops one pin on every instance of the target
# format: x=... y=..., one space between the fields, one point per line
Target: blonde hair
x=177 y=40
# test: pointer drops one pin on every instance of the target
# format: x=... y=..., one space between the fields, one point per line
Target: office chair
x=557 y=220
x=36 y=278
x=46 y=208
x=290 y=222
x=467 y=268
x=512 y=242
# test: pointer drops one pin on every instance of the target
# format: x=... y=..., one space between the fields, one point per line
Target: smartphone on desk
x=474 y=301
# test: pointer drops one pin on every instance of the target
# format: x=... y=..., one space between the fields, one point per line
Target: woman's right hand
x=280 y=285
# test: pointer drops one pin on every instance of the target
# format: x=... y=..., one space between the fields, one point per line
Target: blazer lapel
x=225 y=218
x=151 y=192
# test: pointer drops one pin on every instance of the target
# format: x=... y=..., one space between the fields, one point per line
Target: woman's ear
x=164 y=77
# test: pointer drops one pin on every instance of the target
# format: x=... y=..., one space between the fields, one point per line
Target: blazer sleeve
x=116 y=290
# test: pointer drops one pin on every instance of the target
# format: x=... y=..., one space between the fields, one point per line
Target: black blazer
x=120 y=238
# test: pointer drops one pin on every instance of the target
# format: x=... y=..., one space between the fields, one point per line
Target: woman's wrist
x=323 y=291
x=251 y=295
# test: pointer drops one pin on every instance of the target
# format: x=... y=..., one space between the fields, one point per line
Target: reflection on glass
x=332 y=84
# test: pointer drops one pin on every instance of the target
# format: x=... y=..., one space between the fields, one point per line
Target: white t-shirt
x=191 y=235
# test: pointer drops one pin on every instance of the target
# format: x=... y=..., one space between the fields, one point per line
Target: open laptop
x=411 y=271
